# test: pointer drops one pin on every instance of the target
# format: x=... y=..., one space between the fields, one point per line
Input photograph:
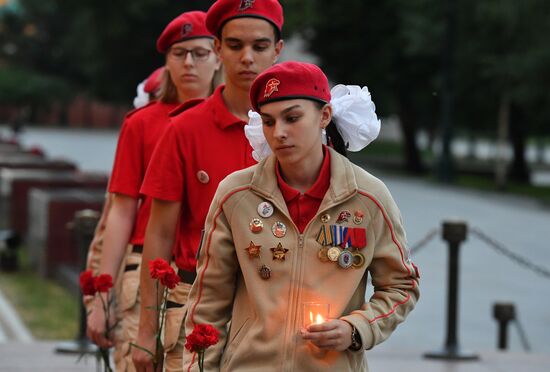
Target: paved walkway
x=40 y=357
x=485 y=276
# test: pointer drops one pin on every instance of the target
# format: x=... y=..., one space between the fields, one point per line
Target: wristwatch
x=356 y=343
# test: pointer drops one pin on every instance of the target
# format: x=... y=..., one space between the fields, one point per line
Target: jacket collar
x=343 y=183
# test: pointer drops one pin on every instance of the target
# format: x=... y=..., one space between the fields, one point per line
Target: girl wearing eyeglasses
x=189 y=74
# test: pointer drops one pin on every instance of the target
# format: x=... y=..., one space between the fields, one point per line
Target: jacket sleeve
x=211 y=297
x=394 y=276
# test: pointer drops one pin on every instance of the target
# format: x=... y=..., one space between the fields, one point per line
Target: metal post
x=503 y=313
x=454 y=232
x=83 y=227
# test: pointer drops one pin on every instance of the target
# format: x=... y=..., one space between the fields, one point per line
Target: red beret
x=188 y=25
x=152 y=83
x=289 y=80
x=225 y=10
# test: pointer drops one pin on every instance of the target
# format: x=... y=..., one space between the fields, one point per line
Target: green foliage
x=23 y=87
x=104 y=47
x=47 y=309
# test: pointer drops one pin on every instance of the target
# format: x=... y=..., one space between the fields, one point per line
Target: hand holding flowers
x=99 y=286
x=165 y=275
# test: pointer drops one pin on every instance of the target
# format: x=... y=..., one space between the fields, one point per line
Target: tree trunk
x=408 y=123
x=518 y=136
x=501 y=159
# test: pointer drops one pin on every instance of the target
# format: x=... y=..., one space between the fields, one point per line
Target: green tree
x=103 y=47
x=392 y=46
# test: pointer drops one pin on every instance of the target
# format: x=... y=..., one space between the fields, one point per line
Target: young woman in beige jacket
x=301 y=230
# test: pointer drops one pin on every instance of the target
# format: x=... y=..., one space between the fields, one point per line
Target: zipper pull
x=301 y=241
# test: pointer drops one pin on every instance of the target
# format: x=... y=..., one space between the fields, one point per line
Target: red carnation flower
x=103 y=282
x=87 y=283
x=158 y=268
x=202 y=337
x=169 y=279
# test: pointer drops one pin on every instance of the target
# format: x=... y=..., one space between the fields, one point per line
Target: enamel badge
x=279 y=253
x=265 y=209
x=344 y=216
x=256 y=225
x=265 y=272
x=253 y=250
x=278 y=229
x=203 y=177
x=358 y=217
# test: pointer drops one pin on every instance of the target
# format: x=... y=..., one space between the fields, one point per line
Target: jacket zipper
x=294 y=308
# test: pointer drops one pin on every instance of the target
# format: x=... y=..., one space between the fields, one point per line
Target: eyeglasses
x=198 y=54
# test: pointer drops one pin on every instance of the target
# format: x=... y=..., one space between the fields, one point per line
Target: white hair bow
x=353 y=112
x=142 y=98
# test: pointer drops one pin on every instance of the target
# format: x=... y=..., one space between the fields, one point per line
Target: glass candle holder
x=315 y=313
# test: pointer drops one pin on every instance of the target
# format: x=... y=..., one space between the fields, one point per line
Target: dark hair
x=334 y=138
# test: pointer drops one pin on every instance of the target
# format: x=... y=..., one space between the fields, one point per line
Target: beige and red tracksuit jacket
x=266 y=314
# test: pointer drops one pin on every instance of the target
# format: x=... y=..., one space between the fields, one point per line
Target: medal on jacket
x=338 y=234
x=325 y=218
x=333 y=253
x=279 y=253
x=344 y=216
x=256 y=225
x=345 y=259
x=324 y=237
x=253 y=250
x=265 y=209
x=358 y=237
x=358 y=217
x=323 y=254
x=265 y=272
x=358 y=260
x=278 y=229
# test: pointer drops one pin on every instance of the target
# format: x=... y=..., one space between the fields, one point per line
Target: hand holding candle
x=323 y=332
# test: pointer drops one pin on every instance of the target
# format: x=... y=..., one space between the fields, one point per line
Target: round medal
x=256 y=225
x=333 y=253
x=278 y=229
x=265 y=209
x=358 y=260
x=358 y=217
x=325 y=218
x=345 y=260
x=265 y=272
x=323 y=254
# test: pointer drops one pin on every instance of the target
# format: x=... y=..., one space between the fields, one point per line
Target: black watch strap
x=356 y=343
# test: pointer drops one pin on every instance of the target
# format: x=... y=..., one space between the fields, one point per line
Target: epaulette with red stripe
x=129 y=114
x=185 y=106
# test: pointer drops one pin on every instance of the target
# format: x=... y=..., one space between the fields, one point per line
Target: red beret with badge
x=223 y=11
x=188 y=25
x=290 y=80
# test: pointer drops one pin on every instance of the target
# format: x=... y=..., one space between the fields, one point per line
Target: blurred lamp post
x=445 y=168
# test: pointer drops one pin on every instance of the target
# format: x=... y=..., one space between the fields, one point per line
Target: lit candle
x=315 y=313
